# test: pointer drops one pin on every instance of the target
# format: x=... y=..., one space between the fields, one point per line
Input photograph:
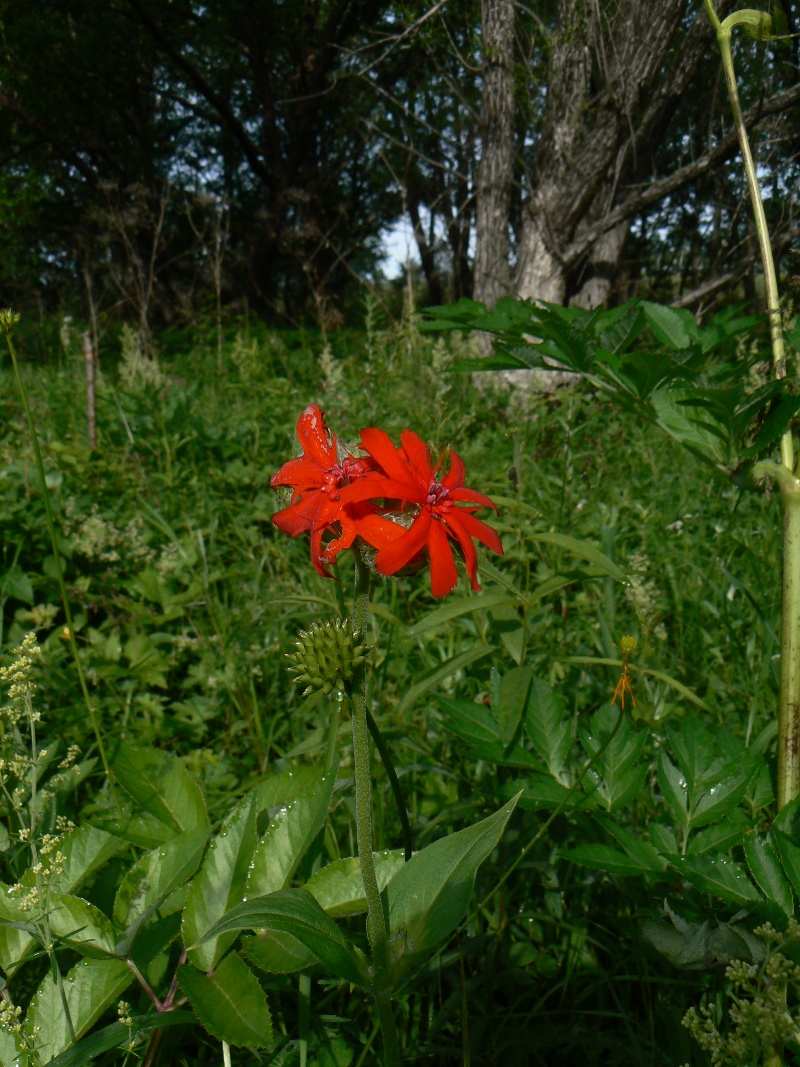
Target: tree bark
x=497 y=146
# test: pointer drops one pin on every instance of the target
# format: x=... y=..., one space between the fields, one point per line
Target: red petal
x=467 y=547
x=475 y=528
x=418 y=456
x=300 y=473
x=472 y=495
x=444 y=575
x=454 y=478
x=316 y=553
x=375 y=486
x=292 y=521
x=315 y=437
x=380 y=447
x=379 y=532
x=396 y=556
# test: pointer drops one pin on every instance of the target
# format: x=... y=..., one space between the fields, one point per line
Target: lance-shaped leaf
x=673 y=787
x=159 y=782
x=546 y=726
x=82 y=926
x=277 y=952
x=718 y=876
x=287 y=839
x=765 y=867
x=220 y=883
x=512 y=693
x=229 y=1003
x=91 y=987
x=428 y=896
x=339 y=887
x=277 y=790
x=294 y=911
x=154 y=877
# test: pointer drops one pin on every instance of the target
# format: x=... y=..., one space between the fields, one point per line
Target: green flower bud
x=326 y=656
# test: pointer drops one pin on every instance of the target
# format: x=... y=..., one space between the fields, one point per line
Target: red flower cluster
x=393 y=498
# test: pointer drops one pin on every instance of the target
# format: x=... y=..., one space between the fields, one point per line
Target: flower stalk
x=376 y=920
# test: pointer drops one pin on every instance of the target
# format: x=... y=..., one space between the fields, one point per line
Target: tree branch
x=47 y=135
x=657 y=190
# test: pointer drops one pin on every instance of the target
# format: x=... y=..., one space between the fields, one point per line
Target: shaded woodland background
x=163 y=160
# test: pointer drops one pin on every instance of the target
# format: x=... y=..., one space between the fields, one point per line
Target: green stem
x=376 y=920
x=723 y=31
x=391 y=774
x=57 y=560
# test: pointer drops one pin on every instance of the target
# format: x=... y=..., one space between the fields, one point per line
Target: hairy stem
x=376 y=920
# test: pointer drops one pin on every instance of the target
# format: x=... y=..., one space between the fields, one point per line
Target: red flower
x=316 y=478
x=407 y=475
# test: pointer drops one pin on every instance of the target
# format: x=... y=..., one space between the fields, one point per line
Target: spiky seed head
x=628 y=644
x=8 y=320
x=326 y=656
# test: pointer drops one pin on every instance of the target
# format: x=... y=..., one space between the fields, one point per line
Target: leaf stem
x=376 y=920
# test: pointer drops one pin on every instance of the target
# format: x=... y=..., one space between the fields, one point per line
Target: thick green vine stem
x=376 y=920
x=758 y=25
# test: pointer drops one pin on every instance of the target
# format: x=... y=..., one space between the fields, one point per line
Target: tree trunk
x=497 y=145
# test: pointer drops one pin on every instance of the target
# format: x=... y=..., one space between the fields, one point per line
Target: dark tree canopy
x=152 y=151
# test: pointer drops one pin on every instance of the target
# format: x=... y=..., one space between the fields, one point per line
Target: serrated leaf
x=543 y=792
x=339 y=888
x=153 y=878
x=82 y=926
x=673 y=786
x=765 y=867
x=790 y=856
x=616 y=772
x=91 y=987
x=721 y=799
x=668 y=325
x=473 y=723
x=159 y=782
x=278 y=953
x=512 y=697
x=230 y=1003
x=296 y=912
x=718 y=876
x=718 y=837
x=428 y=896
x=220 y=883
x=544 y=722
x=288 y=838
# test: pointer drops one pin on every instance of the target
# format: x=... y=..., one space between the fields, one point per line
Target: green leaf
x=718 y=876
x=288 y=838
x=668 y=325
x=220 y=883
x=456 y=607
x=82 y=926
x=339 y=888
x=636 y=848
x=616 y=771
x=283 y=788
x=140 y=828
x=762 y=859
x=230 y=1003
x=428 y=896
x=790 y=856
x=673 y=786
x=512 y=694
x=544 y=721
x=438 y=674
x=153 y=878
x=472 y=722
x=9 y=1050
x=720 y=836
x=607 y=858
x=722 y=798
x=159 y=783
x=115 y=1035
x=91 y=987
x=294 y=911
x=278 y=953
x=541 y=791
x=585 y=551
